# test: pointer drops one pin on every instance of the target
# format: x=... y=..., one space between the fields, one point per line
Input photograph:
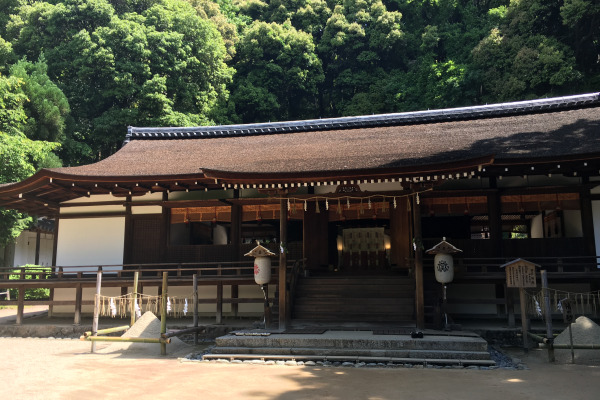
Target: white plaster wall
x=573 y=226
x=91 y=199
x=25 y=249
x=46 y=249
x=537 y=227
x=148 y=197
x=146 y=210
x=91 y=241
x=92 y=209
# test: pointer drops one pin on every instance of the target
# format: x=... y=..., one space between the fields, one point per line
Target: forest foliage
x=75 y=73
x=93 y=67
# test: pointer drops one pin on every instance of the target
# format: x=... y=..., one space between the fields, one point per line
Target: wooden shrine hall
x=358 y=199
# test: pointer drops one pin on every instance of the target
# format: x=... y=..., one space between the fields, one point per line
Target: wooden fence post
x=163 y=312
x=78 y=295
x=96 y=307
x=134 y=296
x=195 y=284
x=548 y=316
x=20 y=305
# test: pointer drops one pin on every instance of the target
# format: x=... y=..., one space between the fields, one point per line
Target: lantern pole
x=267 y=319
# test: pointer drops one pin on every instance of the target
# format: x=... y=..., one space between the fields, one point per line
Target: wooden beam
x=20 y=305
x=587 y=222
x=494 y=206
x=78 y=295
x=219 y=311
x=38 y=235
x=419 y=290
x=283 y=290
x=165 y=229
x=128 y=245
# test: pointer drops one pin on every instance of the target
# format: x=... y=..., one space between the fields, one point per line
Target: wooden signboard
x=520 y=274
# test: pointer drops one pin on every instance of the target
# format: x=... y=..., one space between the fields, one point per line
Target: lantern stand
x=443 y=265
x=262 y=275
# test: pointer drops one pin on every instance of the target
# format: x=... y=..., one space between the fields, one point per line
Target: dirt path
x=64 y=369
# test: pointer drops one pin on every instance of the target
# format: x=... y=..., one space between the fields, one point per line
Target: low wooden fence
x=471 y=271
x=222 y=274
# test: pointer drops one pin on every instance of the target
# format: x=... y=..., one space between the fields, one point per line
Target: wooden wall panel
x=146 y=246
x=400 y=233
x=316 y=237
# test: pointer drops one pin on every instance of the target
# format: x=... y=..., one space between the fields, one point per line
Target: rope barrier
x=120 y=306
x=583 y=303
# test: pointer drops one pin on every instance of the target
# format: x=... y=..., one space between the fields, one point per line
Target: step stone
x=353 y=353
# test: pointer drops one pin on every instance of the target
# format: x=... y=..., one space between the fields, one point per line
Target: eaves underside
x=43 y=193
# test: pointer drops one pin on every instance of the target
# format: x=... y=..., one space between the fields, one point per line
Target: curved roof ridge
x=403 y=118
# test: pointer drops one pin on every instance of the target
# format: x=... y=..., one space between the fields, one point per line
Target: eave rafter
x=405 y=176
x=42 y=193
x=574 y=166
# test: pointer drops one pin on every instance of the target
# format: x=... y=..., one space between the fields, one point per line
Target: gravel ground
x=52 y=369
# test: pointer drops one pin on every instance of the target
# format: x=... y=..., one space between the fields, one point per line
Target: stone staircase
x=388 y=299
x=434 y=348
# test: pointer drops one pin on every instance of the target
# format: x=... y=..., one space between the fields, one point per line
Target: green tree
x=360 y=37
x=22 y=109
x=277 y=73
x=47 y=107
x=582 y=17
x=143 y=63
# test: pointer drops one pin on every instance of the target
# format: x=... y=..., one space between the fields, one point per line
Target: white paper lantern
x=262 y=270
x=443 y=265
x=262 y=263
x=443 y=262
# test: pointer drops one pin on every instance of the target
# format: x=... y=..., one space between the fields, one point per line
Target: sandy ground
x=65 y=369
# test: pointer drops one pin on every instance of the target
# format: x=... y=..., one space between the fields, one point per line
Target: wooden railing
x=179 y=274
x=34 y=276
x=474 y=271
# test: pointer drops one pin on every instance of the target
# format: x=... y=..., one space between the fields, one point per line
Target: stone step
x=356 y=340
x=385 y=361
x=354 y=353
x=356 y=292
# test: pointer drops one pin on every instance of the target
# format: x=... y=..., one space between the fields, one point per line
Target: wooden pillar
x=55 y=241
x=510 y=307
x=236 y=227
x=236 y=241
x=283 y=291
x=163 y=310
x=134 y=296
x=234 y=296
x=400 y=230
x=128 y=245
x=495 y=219
x=38 y=235
x=54 y=248
x=96 y=307
x=78 y=293
x=219 y=317
x=315 y=231
x=418 y=240
x=165 y=229
x=20 y=305
x=587 y=222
